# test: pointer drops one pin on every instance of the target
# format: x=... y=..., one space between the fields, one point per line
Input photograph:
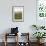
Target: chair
x=14 y=32
x=8 y=36
x=26 y=41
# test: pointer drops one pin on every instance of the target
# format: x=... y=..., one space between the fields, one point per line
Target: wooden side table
x=8 y=34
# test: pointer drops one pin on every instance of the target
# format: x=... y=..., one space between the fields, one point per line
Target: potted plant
x=39 y=35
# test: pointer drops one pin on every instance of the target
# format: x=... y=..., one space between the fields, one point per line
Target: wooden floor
x=13 y=44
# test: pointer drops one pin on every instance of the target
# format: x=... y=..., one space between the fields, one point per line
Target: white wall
x=6 y=15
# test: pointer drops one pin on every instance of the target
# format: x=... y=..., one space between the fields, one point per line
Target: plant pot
x=40 y=41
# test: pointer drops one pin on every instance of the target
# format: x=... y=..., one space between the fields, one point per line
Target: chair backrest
x=24 y=37
x=14 y=30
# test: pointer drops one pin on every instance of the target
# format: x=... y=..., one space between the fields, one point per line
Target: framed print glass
x=18 y=13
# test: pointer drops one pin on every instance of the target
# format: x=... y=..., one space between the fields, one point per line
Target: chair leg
x=5 y=43
x=5 y=40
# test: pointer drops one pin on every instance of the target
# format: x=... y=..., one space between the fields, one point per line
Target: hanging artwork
x=41 y=12
x=18 y=13
x=41 y=8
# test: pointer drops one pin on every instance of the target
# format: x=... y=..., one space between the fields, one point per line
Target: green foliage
x=34 y=25
x=37 y=28
x=42 y=27
x=41 y=14
x=39 y=35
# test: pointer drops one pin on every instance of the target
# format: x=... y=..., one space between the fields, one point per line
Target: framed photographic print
x=18 y=13
x=41 y=12
x=41 y=8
